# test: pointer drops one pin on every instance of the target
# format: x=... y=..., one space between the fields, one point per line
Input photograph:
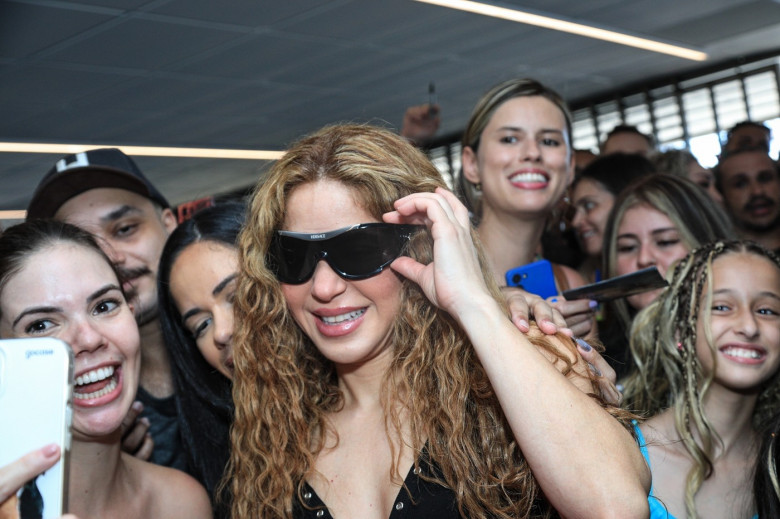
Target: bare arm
x=585 y=461
x=579 y=314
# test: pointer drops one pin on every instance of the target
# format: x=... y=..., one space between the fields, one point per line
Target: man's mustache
x=758 y=201
x=126 y=274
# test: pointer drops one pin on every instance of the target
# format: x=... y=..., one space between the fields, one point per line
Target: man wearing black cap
x=104 y=192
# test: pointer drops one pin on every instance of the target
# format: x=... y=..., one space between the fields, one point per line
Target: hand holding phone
x=36 y=384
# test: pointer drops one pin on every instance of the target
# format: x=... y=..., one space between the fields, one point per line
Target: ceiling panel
x=141 y=44
x=240 y=12
x=261 y=56
x=27 y=28
x=709 y=28
x=250 y=74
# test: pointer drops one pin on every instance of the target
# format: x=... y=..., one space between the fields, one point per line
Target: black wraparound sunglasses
x=356 y=252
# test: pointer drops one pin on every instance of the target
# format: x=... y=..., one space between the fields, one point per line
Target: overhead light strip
x=148 y=151
x=13 y=214
x=559 y=24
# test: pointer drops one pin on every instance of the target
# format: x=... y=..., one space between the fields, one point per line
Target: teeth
x=528 y=177
x=343 y=317
x=95 y=375
x=742 y=353
x=97 y=394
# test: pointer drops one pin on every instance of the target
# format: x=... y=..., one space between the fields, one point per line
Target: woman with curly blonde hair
x=707 y=352
x=376 y=370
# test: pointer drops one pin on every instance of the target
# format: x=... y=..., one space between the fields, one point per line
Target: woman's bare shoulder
x=170 y=493
x=573 y=278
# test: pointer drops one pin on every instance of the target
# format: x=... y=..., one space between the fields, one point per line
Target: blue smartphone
x=536 y=277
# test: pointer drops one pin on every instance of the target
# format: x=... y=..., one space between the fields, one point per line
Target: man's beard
x=143 y=314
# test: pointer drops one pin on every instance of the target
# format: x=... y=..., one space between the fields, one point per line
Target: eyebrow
x=53 y=309
x=663 y=230
x=119 y=212
x=222 y=284
x=764 y=293
x=101 y=291
x=217 y=289
x=543 y=130
x=653 y=232
x=35 y=310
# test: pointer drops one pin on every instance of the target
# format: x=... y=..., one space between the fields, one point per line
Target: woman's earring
x=478 y=187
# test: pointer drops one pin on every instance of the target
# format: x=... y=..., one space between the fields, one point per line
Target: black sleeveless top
x=423 y=499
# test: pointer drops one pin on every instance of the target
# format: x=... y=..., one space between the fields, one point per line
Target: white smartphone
x=36 y=388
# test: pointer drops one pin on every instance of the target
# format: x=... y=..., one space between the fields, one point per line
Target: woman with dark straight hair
x=196 y=283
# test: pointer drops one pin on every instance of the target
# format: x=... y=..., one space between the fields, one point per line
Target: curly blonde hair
x=284 y=388
x=668 y=372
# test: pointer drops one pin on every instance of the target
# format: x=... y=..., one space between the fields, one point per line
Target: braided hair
x=668 y=371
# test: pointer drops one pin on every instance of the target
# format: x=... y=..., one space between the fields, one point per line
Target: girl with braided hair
x=707 y=352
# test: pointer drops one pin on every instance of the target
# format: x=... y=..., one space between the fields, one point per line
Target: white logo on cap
x=80 y=160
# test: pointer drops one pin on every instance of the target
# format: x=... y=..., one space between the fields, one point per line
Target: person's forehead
x=747 y=162
x=50 y=272
x=750 y=131
x=102 y=205
x=628 y=137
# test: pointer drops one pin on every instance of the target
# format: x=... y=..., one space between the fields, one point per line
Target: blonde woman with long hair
x=376 y=370
x=517 y=165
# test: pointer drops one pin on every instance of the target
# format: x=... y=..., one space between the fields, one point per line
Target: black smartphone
x=621 y=286
x=433 y=108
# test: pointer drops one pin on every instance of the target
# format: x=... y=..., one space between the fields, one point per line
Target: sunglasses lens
x=362 y=253
x=292 y=260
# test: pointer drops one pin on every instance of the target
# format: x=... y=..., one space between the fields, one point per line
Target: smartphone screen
x=36 y=386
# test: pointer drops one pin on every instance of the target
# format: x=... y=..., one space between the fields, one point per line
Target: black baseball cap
x=80 y=172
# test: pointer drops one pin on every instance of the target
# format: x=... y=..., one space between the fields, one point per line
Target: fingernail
x=593 y=304
x=594 y=369
x=138 y=406
x=145 y=420
x=584 y=345
x=554 y=300
x=523 y=323
x=51 y=450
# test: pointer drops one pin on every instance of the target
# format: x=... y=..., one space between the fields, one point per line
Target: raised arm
x=585 y=461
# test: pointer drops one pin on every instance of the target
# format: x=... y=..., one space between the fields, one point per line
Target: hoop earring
x=478 y=187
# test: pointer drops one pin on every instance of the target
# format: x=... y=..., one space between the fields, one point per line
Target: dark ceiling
x=258 y=74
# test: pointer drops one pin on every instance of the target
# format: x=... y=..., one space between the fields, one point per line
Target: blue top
x=657 y=508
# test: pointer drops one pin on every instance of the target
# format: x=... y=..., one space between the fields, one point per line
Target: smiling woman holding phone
x=55 y=281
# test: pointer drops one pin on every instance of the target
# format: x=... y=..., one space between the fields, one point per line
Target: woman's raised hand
x=454 y=278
